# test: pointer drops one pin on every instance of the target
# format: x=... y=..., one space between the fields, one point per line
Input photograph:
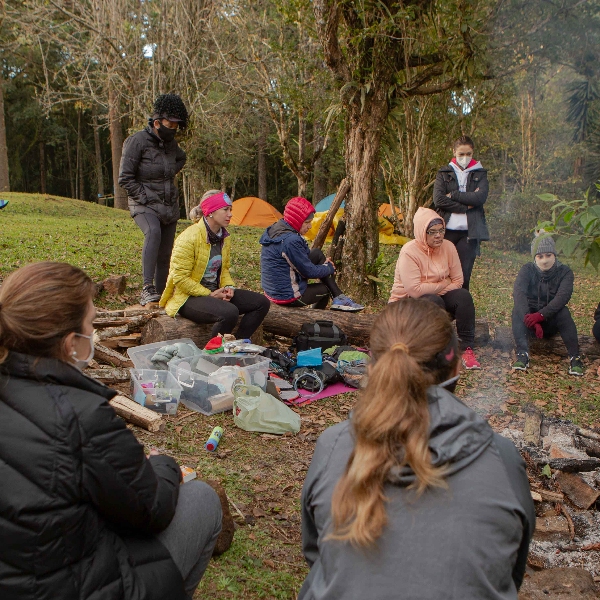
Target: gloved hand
x=539 y=332
x=532 y=318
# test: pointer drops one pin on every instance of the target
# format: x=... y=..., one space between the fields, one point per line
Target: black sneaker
x=522 y=362
x=149 y=294
x=576 y=366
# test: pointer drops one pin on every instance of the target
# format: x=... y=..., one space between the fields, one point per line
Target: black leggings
x=467 y=252
x=562 y=322
x=459 y=304
x=224 y=314
x=318 y=293
x=156 y=253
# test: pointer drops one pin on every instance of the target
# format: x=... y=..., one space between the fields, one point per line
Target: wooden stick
x=108 y=356
x=565 y=512
x=335 y=205
x=137 y=414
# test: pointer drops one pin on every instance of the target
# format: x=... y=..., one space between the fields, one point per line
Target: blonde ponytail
x=391 y=418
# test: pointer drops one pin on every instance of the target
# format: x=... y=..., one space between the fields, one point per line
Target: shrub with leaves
x=575 y=226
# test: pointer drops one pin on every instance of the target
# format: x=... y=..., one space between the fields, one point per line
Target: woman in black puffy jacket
x=151 y=159
x=459 y=193
x=83 y=513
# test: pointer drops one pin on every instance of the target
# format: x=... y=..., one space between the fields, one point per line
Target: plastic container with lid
x=156 y=390
x=207 y=379
x=141 y=355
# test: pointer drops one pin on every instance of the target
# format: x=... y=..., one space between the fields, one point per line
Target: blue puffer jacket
x=285 y=265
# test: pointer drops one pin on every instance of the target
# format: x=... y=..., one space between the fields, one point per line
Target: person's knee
x=264 y=304
x=596 y=330
x=316 y=256
x=462 y=296
x=435 y=299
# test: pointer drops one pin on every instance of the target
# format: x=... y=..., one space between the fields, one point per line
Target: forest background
x=288 y=97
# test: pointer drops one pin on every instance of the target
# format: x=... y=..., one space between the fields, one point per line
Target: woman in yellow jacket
x=199 y=286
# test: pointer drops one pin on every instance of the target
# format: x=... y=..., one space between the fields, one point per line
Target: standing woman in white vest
x=459 y=193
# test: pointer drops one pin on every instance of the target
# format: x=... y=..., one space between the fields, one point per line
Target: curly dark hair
x=170 y=105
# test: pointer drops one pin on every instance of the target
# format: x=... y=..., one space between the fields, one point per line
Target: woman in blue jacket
x=287 y=264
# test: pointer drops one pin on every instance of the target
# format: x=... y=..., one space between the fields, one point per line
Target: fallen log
x=161 y=329
x=503 y=340
x=109 y=374
x=287 y=322
x=108 y=356
x=588 y=433
x=577 y=490
x=137 y=414
x=550 y=496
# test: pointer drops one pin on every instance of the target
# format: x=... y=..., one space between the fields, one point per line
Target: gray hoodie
x=468 y=541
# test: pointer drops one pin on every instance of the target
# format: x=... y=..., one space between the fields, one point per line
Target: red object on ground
x=469 y=360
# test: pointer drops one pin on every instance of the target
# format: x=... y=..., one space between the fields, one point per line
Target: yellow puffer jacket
x=189 y=259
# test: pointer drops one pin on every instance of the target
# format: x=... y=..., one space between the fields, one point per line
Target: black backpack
x=320 y=334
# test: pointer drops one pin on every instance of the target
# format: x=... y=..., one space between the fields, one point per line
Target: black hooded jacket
x=147 y=172
x=79 y=501
x=540 y=291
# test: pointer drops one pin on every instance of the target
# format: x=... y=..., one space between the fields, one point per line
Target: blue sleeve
x=296 y=252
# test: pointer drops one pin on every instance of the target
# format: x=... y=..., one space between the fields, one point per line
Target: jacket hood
x=276 y=233
x=421 y=221
x=474 y=165
x=457 y=436
x=52 y=370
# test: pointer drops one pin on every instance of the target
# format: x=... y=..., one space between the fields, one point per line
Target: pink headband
x=214 y=202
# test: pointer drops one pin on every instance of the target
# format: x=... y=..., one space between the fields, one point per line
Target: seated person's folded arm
x=411 y=278
x=183 y=261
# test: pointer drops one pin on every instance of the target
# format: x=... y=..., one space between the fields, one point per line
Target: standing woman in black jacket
x=84 y=515
x=151 y=159
x=459 y=193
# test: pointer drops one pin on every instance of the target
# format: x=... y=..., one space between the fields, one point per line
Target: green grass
x=263 y=476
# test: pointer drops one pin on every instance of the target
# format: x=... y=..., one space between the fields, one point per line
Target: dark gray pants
x=193 y=532
x=156 y=252
x=467 y=252
x=562 y=322
x=459 y=305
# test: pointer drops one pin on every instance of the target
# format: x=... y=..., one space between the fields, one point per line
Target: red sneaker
x=469 y=360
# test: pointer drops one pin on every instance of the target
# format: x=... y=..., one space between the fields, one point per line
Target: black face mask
x=166 y=134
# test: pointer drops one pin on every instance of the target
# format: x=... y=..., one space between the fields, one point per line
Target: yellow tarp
x=386 y=229
x=254 y=212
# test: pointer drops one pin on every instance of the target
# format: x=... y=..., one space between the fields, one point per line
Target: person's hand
x=328 y=260
x=220 y=294
x=448 y=195
x=532 y=319
x=228 y=293
x=154 y=452
x=539 y=332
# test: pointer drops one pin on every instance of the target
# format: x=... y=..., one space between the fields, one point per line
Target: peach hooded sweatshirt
x=424 y=270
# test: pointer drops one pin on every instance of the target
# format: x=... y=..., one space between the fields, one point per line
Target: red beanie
x=296 y=211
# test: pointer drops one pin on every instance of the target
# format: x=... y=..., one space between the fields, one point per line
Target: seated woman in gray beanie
x=541 y=293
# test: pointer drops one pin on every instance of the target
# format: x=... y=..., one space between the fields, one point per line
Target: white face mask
x=463 y=161
x=78 y=362
x=545 y=262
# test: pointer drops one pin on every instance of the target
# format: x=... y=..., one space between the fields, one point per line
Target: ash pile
x=563 y=466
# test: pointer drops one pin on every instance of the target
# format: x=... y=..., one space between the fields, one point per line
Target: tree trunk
x=262 y=166
x=116 y=146
x=42 y=147
x=319 y=177
x=98 y=151
x=80 y=173
x=363 y=141
x=4 y=179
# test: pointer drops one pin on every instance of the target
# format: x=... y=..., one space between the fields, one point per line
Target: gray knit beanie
x=542 y=244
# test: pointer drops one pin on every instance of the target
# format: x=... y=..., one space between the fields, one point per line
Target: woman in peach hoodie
x=428 y=267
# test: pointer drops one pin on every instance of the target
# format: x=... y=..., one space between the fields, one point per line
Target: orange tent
x=385 y=210
x=254 y=212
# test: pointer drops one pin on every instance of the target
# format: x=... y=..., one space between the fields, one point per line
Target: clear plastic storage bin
x=156 y=390
x=207 y=379
x=141 y=355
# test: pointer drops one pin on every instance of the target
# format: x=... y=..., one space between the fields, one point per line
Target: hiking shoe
x=149 y=294
x=469 y=360
x=576 y=366
x=522 y=362
x=3 y=203
x=342 y=302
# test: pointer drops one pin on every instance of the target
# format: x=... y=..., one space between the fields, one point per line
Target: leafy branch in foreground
x=575 y=224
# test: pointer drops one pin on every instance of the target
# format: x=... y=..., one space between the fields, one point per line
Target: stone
x=559 y=584
x=551 y=529
x=115 y=285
